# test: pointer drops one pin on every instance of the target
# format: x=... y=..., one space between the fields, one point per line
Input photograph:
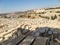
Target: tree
x=53 y=17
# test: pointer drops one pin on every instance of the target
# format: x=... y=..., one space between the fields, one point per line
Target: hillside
x=47 y=13
x=46 y=17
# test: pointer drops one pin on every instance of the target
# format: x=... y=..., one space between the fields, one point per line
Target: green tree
x=53 y=17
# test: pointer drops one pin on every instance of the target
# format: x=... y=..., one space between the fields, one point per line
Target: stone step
x=54 y=43
x=41 y=41
x=14 y=41
x=27 y=41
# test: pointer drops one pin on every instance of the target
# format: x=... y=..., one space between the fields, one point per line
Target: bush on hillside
x=53 y=17
x=44 y=17
x=57 y=11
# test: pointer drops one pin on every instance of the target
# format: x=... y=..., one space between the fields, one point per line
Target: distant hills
x=47 y=13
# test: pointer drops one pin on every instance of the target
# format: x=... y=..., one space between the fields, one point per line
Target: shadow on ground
x=51 y=33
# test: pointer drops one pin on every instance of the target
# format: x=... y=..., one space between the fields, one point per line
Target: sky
x=22 y=5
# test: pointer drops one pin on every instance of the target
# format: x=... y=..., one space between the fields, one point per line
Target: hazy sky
x=18 y=5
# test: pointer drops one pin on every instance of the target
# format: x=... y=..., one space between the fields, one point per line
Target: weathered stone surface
x=13 y=41
x=54 y=43
x=41 y=41
x=27 y=41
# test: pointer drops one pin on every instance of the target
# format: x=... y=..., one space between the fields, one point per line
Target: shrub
x=44 y=17
x=57 y=11
x=42 y=12
x=29 y=16
x=59 y=15
x=53 y=17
